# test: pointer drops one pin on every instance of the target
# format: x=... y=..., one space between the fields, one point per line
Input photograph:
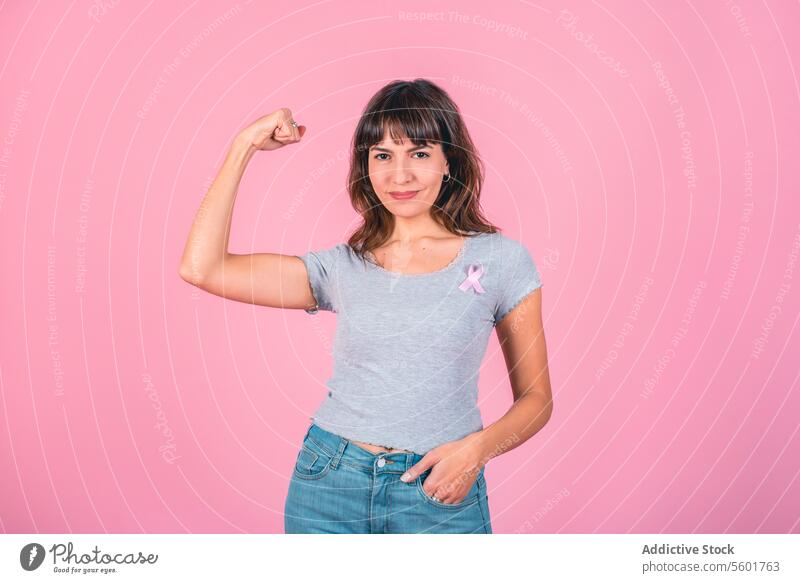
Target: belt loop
x=339 y=452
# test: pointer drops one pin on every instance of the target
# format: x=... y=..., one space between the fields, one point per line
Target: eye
x=424 y=154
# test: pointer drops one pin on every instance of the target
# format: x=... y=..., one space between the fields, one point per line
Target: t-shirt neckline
x=455 y=261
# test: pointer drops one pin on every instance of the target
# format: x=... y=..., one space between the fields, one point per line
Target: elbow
x=199 y=270
x=546 y=411
x=190 y=275
x=540 y=403
x=548 y=408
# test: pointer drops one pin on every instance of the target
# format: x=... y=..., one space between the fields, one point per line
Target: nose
x=401 y=173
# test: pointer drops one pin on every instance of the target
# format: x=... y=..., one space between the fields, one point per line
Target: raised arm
x=267 y=279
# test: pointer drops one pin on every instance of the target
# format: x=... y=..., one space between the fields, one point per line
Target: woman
x=398 y=445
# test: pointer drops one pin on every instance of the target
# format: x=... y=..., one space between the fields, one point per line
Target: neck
x=411 y=229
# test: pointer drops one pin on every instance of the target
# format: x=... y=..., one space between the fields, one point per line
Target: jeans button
x=381 y=462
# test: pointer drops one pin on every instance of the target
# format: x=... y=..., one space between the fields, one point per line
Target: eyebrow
x=388 y=150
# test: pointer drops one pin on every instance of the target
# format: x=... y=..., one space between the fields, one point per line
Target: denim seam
x=314 y=455
x=321 y=474
x=342 y=462
x=481 y=499
x=371 y=488
x=339 y=453
x=386 y=516
x=327 y=452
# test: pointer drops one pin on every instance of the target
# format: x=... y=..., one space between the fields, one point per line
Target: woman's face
x=406 y=168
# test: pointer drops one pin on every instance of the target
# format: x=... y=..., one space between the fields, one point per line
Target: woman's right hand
x=273 y=131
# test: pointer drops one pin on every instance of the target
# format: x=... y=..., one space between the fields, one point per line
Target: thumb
x=414 y=471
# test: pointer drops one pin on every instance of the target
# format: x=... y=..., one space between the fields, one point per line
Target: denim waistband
x=343 y=450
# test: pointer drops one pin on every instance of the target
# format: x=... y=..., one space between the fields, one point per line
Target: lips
x=405 y=195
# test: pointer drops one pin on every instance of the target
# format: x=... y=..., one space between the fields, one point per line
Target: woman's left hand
x=456 y=465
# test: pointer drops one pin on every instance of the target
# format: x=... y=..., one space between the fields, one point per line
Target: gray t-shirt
x=408 y=348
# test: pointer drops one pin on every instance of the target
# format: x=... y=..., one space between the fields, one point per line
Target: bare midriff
x=376 y=449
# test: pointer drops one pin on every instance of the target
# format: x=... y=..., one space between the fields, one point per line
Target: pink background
x=132 y=402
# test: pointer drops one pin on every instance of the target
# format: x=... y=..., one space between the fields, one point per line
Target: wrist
x=242 y=148
x=480 y=443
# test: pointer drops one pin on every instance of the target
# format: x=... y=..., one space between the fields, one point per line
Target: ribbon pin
x=475 y=271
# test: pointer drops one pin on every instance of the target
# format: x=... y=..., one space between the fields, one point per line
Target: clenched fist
x=273 y=131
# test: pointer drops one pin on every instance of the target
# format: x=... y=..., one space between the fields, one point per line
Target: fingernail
x=405 y=477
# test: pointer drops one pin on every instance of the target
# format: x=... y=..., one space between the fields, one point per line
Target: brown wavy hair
x=423 y=112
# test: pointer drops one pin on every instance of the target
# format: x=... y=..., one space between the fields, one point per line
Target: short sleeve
x=321 y=268
x=519 y=278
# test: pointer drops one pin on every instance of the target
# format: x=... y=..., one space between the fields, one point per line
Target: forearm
x=207 y=245
x=522 y=421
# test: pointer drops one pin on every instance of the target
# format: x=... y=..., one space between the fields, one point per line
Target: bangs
x=418 y=124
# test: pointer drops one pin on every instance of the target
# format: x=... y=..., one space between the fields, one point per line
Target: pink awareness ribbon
x=475 y=271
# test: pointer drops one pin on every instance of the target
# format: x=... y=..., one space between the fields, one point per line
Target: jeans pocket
x=311 y=463
x=471 y=498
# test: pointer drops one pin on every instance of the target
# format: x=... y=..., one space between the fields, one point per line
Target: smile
x=404 y=195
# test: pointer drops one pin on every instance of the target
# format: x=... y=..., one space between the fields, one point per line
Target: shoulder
x=347 y=256
x=506 y=257
x=341 y=255
x=336 y=251
x=499 y=246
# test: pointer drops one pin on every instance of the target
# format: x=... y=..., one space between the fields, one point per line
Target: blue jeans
x=339 y=487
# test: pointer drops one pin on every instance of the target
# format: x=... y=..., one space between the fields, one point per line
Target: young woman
x=398 y=444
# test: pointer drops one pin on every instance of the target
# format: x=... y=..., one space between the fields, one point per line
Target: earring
x=447 y=178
